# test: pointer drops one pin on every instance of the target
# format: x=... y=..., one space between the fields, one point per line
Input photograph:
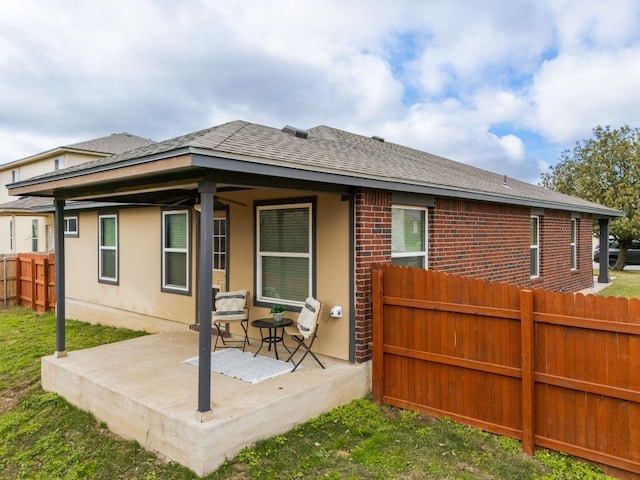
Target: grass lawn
x=623 y=284
x=44 y=437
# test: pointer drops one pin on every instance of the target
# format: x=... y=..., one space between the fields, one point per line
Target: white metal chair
x=305 y=331
x=231 y=307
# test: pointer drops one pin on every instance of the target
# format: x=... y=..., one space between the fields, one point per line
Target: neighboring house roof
x=25 y=205
x=103 y=146
x=328 y=155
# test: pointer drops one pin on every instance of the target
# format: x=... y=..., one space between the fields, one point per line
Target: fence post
x=45 y=286
x=528 y=385
x=18 y=273
x=377 y=367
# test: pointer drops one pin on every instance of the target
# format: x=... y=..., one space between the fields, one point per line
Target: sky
x=504 y=85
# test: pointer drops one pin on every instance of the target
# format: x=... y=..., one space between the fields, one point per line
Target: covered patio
x=149 y=394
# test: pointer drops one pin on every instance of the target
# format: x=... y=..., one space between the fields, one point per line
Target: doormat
x=244 y=366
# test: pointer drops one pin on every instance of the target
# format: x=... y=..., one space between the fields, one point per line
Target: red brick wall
x=470 y=238
x=373 y=245
x=491 y=241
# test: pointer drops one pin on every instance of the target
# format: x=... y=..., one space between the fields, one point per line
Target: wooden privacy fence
x=35 y=284
x=556 y=370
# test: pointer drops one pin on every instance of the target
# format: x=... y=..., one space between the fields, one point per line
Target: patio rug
x=244 y=366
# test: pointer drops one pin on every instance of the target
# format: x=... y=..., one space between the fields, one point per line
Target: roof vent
x=296 y=132
x=380 y=139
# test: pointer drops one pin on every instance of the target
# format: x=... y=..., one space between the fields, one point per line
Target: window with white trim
x=108 y=248
x=574 y=244
x=284 y=253
x=11 y=235
x=15 y=175
x=219 y=243
x=34 y=235
x=409 y=236
x=58 y=163
x=175 y=251
x=71 y=226
x=535 y=246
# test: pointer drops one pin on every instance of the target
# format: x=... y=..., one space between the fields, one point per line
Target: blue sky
x=502 y=85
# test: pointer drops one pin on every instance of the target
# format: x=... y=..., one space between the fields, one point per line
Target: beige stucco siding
x=332 y=258
x=138 y=302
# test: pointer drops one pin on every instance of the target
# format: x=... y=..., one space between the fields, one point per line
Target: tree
x=605 y=169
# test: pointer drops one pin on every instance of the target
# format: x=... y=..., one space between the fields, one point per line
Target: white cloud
x=475 y=82
x=573 y=94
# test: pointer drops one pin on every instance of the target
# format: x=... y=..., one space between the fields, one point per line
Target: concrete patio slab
x=142 y=390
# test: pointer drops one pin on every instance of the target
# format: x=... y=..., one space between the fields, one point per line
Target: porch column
x=60 y=280
x=603 y=276
x=206 y=189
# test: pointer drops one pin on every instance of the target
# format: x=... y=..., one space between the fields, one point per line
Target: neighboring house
x=291 y=213
x=21 y=228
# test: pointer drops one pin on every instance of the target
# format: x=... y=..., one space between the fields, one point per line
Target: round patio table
x=268 y=326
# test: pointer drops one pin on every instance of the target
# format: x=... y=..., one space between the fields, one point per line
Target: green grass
x=623 y=284
x=44 y=437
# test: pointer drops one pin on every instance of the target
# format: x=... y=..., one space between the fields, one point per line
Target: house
x=287 y=213
x=22 y=227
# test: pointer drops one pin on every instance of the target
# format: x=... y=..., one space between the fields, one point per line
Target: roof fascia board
x=99 y=168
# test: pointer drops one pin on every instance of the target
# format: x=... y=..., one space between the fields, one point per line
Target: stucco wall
x=137 y=302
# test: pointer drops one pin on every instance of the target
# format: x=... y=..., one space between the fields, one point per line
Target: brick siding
x=479 y=239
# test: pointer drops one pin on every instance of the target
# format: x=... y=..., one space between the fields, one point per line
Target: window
x=409 y=236
x=15 y=175
x=58 y=163
x=535 y=247
x=574 y=247
x=108 y=248
x=284 y=263
x=70 y=226
x=219 y=243
x=175 y=251
x=11 y=235
x=34 y=235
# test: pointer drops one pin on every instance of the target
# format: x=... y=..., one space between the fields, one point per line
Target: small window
x=574 y=245
x=108 y=248
x=409 y=236
x=175 y=251
x=219 y=243
x=71 y=226
x=15 y=175
x=535 y=246
x=58 y=163
x=11 y=235
x=34 y=235
x=284 y=255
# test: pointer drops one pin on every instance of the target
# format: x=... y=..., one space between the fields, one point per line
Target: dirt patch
x=10 y=397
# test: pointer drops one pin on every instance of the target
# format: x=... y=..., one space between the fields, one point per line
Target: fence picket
x=569 y=379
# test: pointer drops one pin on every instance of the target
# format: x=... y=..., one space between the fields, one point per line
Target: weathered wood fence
x=556 y=370
x=28 y=279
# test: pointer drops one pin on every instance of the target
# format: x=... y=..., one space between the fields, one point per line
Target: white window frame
x=167 y=287
x=102 y=278
x=574 y=244
x=422 y=253
x=58 y=163
x=262 y=254
x=11 y=224
x=68 y=231
x=219 y=254
x=535 y=247
x=15 y=175
x=34 y=234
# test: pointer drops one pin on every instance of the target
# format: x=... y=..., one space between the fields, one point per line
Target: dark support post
x=603 y=276
x=60 y=280
x=207 y=189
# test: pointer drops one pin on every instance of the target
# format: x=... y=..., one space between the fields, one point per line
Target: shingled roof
x=112 y=144
x=347 y=158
